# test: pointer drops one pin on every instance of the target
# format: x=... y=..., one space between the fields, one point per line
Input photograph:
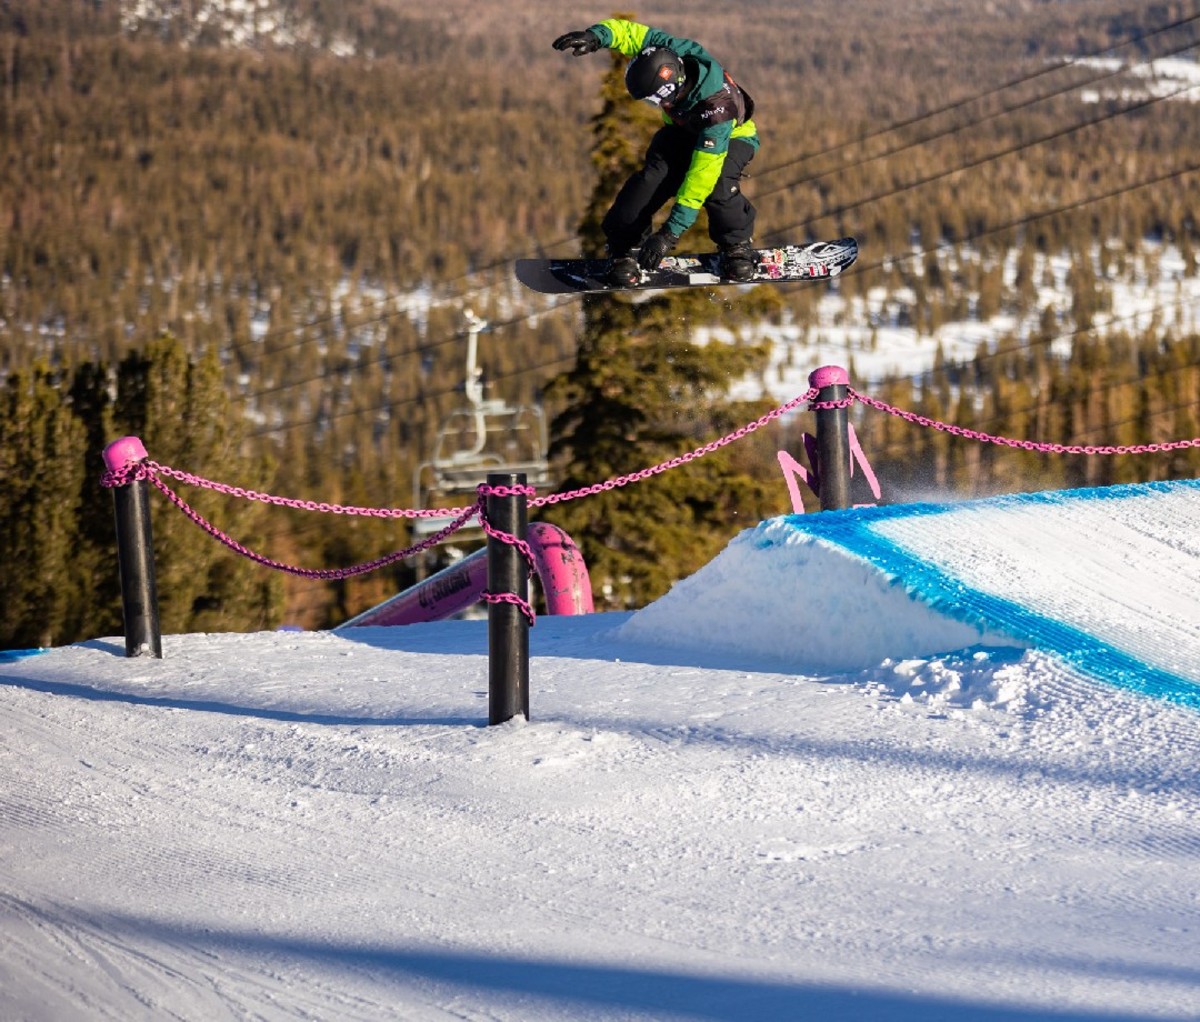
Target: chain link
x=315 y=573
x=522 y=605
x=1025 y=445
x=683 y=459
x=301 y=505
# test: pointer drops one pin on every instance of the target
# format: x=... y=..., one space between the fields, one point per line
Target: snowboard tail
x=818 y=260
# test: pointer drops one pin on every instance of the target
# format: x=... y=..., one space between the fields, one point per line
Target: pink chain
x=1025 y=445
x=315 y=573
x=152 y=470
x=523 y=548
x=149 y=468
x=821 y=406
x=507 y=537
x=683 y=459
x=522 y=605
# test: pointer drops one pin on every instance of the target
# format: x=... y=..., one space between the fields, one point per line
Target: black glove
x=578 y=43
x=655 y=248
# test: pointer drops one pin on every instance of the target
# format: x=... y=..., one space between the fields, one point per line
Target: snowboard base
x=818 y=260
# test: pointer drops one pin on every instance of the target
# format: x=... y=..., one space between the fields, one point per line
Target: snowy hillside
x=874 y=335
x=1166 y=78
x=924 y=763
x=234 y=23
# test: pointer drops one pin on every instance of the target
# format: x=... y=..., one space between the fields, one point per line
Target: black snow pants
x=730 y=213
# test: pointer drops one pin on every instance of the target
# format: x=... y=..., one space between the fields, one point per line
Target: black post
x=135 y=553
x=833 y=438
x=508 y=628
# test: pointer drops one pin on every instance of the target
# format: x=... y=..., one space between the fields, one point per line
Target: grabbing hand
x=578 y=43
x=655 y=248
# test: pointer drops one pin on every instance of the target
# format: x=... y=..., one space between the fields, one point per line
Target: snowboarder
x=698 y=156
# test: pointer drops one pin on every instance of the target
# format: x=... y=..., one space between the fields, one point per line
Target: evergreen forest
x=261 y=259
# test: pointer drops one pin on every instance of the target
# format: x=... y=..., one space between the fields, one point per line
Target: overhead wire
x=980 y=161
x=419 y=349
x=958 y=128
x=1005 y=86
x=413 y=399
x=1024 y=221
x=1047 y=340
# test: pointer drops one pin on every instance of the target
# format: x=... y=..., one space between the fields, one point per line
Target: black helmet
x=655 y=74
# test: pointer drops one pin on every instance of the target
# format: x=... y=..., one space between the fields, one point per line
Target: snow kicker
x=845 y=590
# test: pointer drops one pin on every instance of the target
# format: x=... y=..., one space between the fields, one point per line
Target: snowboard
x=818 y=260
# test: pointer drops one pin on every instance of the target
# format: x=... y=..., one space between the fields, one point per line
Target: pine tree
x=96 y=603
x=41 y=464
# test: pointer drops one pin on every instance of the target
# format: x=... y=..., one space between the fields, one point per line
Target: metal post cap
x=127 y=450
x=828 y=376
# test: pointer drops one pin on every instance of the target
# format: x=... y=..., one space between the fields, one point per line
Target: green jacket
x=713 y=135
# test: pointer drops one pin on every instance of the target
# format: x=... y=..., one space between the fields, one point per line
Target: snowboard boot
x=738 y=261
x=623 y=271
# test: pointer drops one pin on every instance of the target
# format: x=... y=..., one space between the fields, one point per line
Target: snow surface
x=1164 y=78
x=976 y=816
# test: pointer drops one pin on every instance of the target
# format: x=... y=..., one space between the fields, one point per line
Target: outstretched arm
x=627 y=37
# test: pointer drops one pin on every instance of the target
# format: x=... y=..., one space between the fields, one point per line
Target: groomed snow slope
x=994 y=816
